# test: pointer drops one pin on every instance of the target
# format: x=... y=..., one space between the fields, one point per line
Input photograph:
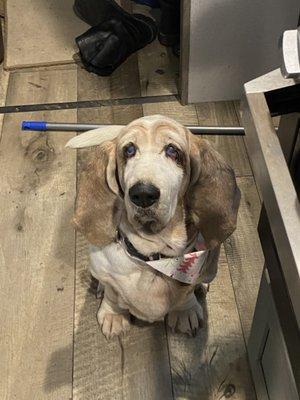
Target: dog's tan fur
x=206 y=200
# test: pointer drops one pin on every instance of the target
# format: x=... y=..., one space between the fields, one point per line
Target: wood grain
x=232 y=148
x=158 y=70
x=183 y=114
x=244 y=254
x=124 y=82
x=1 y=41
x=44 y=35
x=37 y=247
x=4 y=77
x=276 y=120
x=213 y=365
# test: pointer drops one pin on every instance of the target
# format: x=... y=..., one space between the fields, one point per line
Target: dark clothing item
x=169 y=27
x=105 y=46
x=116 y=34
x=93 y=12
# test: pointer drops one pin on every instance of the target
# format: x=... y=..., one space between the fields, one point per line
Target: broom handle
x=57 y=126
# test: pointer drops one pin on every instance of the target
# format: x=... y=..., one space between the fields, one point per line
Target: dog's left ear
x=96 y=209
x=213 y=196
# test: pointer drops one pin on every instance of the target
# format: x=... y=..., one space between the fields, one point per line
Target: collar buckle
x=155 y=257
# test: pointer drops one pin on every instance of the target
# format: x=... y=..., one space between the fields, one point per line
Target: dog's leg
x=113 y=320
x=186 y=318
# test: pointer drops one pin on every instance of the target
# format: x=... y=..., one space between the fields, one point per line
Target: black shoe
x=169 y=27
x=105 y=46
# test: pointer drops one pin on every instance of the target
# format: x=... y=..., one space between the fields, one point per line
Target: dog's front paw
x=113 y=324
x=187 y=321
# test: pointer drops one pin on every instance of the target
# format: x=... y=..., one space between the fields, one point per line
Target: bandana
x=186 y=268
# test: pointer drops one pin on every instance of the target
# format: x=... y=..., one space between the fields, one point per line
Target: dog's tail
x=95 y=136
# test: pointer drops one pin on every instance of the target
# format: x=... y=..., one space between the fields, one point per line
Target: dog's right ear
x=98 y=196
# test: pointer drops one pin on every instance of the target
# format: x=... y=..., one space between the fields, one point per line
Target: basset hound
x=155 y=203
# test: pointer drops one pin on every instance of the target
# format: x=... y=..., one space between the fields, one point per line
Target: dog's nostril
x=144 y=194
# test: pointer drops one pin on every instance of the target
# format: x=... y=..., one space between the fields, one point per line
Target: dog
x=155 y=203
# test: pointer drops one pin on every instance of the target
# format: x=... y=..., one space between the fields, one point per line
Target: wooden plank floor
x=51 y=346
x=37 y=249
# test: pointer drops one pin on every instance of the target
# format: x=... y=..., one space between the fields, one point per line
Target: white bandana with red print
x=186 y=268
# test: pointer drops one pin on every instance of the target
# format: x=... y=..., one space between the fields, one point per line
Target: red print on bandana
x=187 y=263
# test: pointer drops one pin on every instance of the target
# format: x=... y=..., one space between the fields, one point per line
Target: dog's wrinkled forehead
x=154 y=129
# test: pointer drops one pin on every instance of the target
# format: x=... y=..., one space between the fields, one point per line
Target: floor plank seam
x=75 y=258
x=236 y=302
x=246 y=175
x=197 y=115
x=74 y=311
x=169 y=358
x=75 y=279
x=238 y=116
x=6 y=89
x=69 y=105
x=5 y=101
x=237 y=112
x=256 y=186
x=240 y=320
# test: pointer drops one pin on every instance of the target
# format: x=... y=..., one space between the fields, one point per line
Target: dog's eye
x=129 y=150
x=172 y=152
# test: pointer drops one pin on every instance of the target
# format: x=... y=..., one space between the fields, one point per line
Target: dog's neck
x=171 y=241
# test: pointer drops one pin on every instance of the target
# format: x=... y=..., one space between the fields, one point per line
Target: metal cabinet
x=226 y=43
x=268 y=355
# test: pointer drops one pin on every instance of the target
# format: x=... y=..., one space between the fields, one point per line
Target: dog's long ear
x=97 y=199
x=94 y=137
x=213 y=196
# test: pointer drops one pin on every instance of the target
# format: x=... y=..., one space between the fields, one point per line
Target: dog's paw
x=113 y=324
x=187 y=321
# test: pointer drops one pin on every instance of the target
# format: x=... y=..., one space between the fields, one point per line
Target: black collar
x=135 y=253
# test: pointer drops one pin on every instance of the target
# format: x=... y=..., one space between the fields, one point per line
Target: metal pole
x=197 y=130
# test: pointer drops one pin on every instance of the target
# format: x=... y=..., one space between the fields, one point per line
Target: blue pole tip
x=34 y=126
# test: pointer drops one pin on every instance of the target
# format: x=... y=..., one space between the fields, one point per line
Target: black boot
x=105 y=46
x=169 y=28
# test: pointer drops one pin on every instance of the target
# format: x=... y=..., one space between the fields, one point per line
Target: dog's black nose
x=144 y=194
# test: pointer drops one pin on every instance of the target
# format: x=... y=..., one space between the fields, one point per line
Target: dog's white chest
x=111 y=260
x=140 y=290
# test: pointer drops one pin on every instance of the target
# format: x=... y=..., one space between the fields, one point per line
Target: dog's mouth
x=147 y=221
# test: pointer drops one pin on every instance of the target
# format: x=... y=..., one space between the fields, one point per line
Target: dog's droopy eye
x=172 y=152
x=129 y=150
